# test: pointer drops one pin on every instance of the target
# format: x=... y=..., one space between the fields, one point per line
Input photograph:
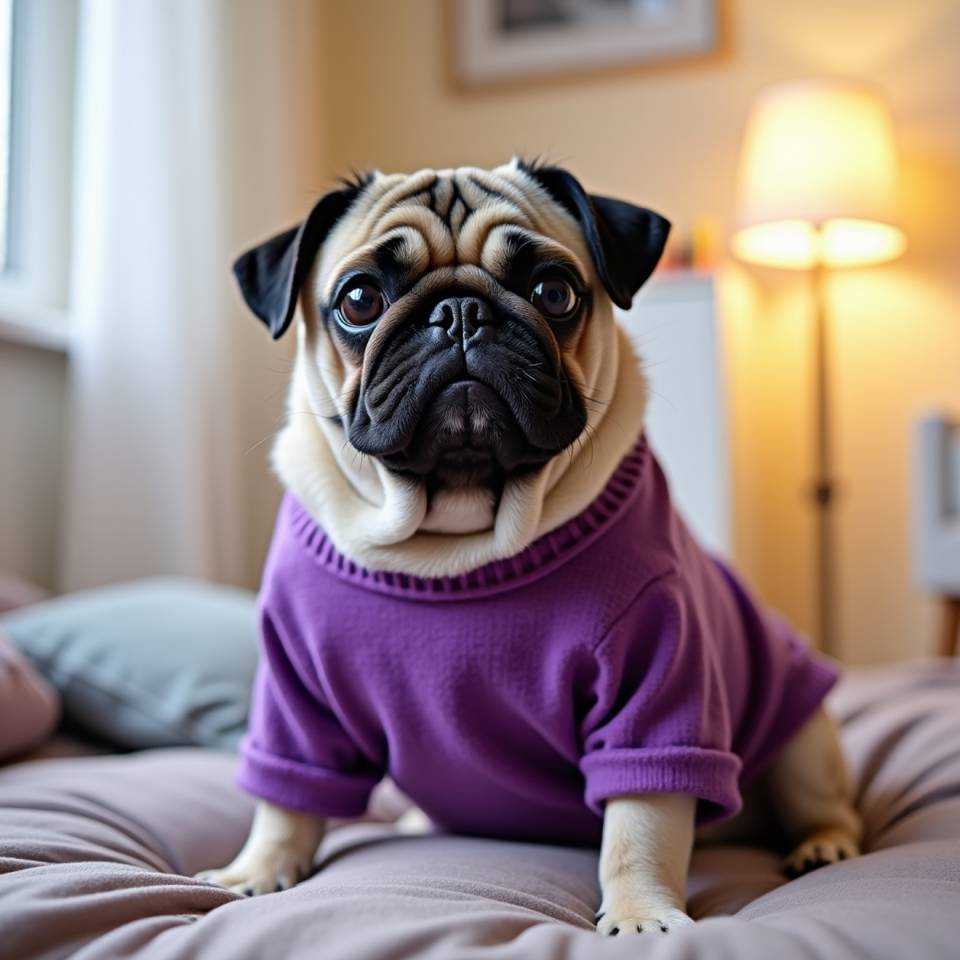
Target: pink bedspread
x=96 y=853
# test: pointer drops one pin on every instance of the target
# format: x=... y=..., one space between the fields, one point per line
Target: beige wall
x=669 y=138
x=32 y=414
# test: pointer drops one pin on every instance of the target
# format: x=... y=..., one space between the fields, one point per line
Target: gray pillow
x=153 y=663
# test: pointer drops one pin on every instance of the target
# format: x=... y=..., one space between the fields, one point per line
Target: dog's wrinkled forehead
x=411 y=224
x=454 y=219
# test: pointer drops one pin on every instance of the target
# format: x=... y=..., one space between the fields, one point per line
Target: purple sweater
x=612 y=656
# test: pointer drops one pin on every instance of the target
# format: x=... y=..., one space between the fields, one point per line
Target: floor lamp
x=818 y=190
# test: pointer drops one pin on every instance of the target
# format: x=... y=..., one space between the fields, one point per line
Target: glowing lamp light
x=818 y=179
x=819 y=189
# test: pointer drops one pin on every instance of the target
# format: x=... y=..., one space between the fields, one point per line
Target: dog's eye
x=555 y=299
x=361 y=305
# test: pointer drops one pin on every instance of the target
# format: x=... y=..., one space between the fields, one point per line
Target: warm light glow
x=796 y=244
x=818 y=178
x=851 y=243
x=790 y=243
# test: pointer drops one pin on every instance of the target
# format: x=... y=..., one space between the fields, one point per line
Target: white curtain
x=199 y=132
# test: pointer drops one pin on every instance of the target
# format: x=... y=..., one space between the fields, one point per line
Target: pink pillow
x=16 y=593
x=29 y=706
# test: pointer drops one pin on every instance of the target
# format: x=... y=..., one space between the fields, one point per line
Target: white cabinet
x=673 y=325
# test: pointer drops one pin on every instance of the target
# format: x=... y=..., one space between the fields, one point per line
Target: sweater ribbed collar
x=546 y=553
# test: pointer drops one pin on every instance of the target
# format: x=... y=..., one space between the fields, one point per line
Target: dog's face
x=450 y=309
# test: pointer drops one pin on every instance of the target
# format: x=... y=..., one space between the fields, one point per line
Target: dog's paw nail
x=247 y=891
x=664 y=929
x=614 y=931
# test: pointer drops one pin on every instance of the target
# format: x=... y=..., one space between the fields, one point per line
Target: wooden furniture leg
x=949 y=626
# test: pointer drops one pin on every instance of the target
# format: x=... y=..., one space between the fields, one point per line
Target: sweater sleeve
x=297 y=753
x=658 y=721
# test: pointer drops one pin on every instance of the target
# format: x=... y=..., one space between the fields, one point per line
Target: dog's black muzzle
x=468 y=391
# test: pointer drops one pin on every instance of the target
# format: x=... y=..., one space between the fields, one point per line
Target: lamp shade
x=818 y=181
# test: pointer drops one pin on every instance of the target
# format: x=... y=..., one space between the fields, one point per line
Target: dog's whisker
x=261 y=442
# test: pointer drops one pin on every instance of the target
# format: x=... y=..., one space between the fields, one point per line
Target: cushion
x=154 y=663
x=15 y=593
x=96 y=856
x=29 y=707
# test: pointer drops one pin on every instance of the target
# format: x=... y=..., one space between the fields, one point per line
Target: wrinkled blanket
x=96 y=855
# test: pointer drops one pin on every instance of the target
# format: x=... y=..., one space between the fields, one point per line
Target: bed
x=97 y=853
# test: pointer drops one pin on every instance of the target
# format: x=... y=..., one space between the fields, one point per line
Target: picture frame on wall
x=510 y=41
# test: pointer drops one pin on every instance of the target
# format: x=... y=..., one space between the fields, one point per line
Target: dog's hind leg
x=810 y=788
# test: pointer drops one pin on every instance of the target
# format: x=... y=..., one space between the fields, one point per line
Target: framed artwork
x=498 y=41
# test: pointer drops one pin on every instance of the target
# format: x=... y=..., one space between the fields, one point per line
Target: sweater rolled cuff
x=709 y=775
x=303 y=786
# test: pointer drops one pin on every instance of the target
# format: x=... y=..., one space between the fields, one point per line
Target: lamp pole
x=823 y=483
x=819 y=152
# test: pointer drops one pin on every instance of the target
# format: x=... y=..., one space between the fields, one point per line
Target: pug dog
x=478 y=585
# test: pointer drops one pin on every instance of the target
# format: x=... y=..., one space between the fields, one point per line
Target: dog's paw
x=819 y=850
x=627 y=921
x=252 y=876
x=414 y=823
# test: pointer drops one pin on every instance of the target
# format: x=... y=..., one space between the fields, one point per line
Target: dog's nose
x=464 y=318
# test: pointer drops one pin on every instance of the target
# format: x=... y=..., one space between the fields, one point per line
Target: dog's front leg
x=643 y=863
x=278 y=853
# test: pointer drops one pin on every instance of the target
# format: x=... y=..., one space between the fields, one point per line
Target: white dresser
x=673 y=325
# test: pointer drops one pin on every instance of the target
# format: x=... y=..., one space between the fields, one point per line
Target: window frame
x=35 y=279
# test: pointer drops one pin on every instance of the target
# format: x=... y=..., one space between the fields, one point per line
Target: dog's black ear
x=271 y=274
x=625 y=241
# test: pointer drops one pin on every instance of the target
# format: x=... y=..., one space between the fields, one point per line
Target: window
x=37 y=83
x=6 y=75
